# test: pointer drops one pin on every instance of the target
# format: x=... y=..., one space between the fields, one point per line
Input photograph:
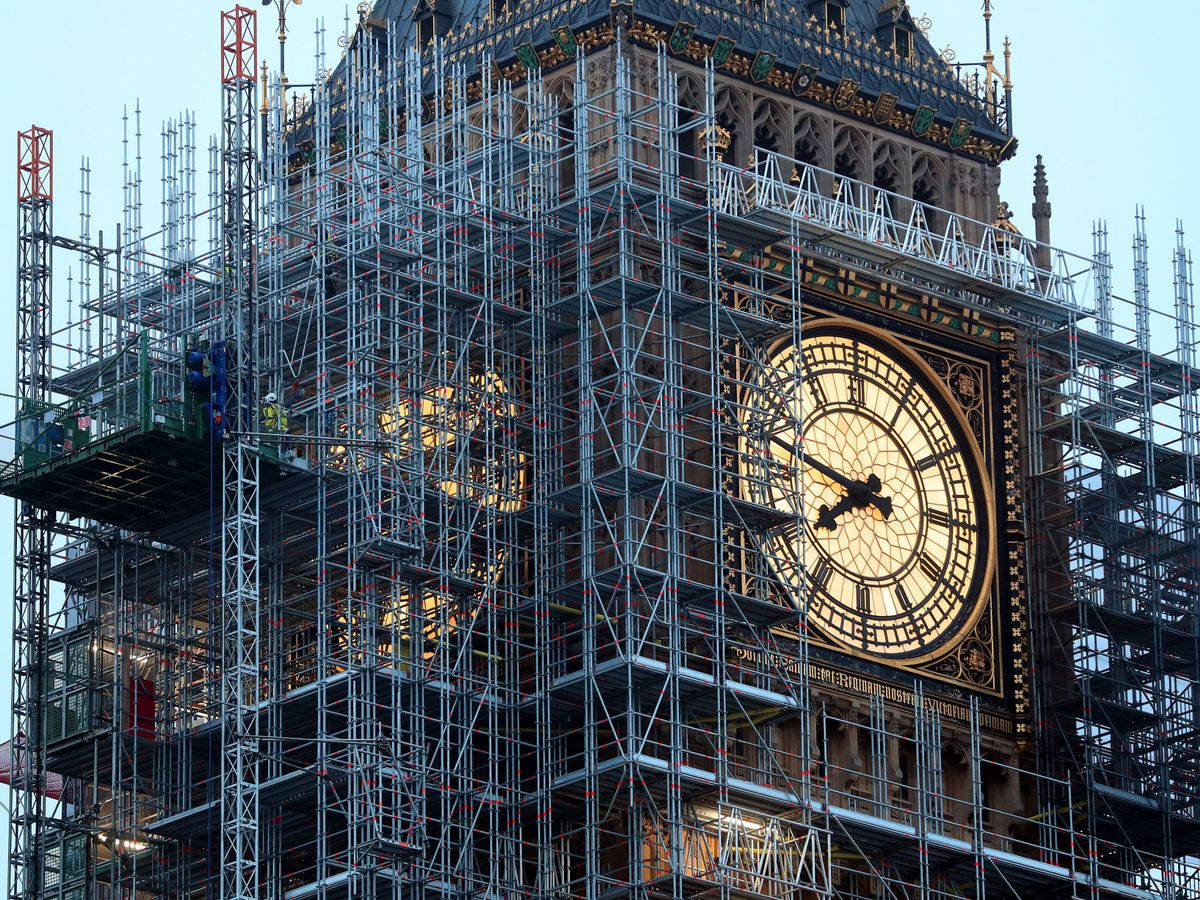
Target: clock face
x=892 y=550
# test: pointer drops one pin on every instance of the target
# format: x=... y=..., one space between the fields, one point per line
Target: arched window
x=690 y=105
x=929 y=187
x=849 y=155
x=564 y=136
x=731 y=109
x=771 y=126
x=890 y=168
x=812 y=141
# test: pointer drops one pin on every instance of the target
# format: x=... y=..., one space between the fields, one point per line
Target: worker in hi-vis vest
x=274 y=415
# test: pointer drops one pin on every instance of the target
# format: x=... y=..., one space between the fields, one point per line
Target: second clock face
x=894 y=551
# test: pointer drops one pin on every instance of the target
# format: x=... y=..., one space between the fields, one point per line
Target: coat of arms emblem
x=885 y=108
x=959 y=132
x=566 y=40
x=529 y=58
x=803 y=81
x=681 y=36
x=763 y=63
x=721 y=50
x=923 y=120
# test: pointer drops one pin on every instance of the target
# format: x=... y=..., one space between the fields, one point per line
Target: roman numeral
x=929 y=462
x=818 y=392
x=856 y=390
x=930 y=568
x=903 y=402
x=942 y=518
x=822 y=573
x=939 y=517
x=902 y=596
x=862 y=597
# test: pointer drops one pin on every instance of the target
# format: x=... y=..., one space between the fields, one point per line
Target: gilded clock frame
x=984 y=628
x=975 y=463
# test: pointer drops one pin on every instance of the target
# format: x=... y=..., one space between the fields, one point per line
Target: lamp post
x=282 y=6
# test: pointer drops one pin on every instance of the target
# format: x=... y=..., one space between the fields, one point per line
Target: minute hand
x=829 y=472
x=825 y=470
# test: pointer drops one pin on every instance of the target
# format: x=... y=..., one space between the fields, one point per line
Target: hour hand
x=883 y=504
x=827 y=518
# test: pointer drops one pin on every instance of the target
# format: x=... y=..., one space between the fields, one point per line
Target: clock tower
x=609 y=449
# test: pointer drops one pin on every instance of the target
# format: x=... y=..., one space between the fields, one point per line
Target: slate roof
x=792 y=30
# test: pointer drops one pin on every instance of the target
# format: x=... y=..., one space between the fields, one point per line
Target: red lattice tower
x=35 y=164
x=239 y=45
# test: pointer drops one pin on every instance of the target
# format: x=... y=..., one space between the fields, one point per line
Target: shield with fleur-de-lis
x=923 y=120
x=763 y=63
x=681 y=36
x=721 y=50
x=959 y=132
x=847 y=90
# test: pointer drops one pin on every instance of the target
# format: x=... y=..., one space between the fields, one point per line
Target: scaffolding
x=404 y=548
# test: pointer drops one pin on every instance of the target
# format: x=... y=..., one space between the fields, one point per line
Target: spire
x=1041 y=213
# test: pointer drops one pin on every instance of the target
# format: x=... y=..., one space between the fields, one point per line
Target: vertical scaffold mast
x=240 y=607
x=35 y=190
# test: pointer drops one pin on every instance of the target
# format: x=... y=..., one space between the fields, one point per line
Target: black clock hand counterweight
x=859 y=495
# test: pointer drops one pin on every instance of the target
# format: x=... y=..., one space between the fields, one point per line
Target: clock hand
x=829 y=472
x=883 y=504
x=860 y=493
x=827 y=518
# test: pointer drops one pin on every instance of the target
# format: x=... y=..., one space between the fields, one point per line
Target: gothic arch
x=891 y=169
x=560 y=94
x=732 y=112
x=850 y=156
x=812 y=142
x=691 y=94
x=690 y=113
x=772 y=125
x=930 y=186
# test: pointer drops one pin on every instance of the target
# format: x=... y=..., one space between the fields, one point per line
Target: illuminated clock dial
x=894 y=550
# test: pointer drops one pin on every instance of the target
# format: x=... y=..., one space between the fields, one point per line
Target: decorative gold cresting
x=1006 y=229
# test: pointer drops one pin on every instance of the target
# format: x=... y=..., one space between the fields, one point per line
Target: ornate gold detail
x=720 y=137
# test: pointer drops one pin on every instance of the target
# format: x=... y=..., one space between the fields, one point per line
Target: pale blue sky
x=1100 y=91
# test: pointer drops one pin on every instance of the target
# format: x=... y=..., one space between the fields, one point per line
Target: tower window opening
x=835 y=17
x=499 y=8
x=688 y=149
x=885 y=178
x=902 y=43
